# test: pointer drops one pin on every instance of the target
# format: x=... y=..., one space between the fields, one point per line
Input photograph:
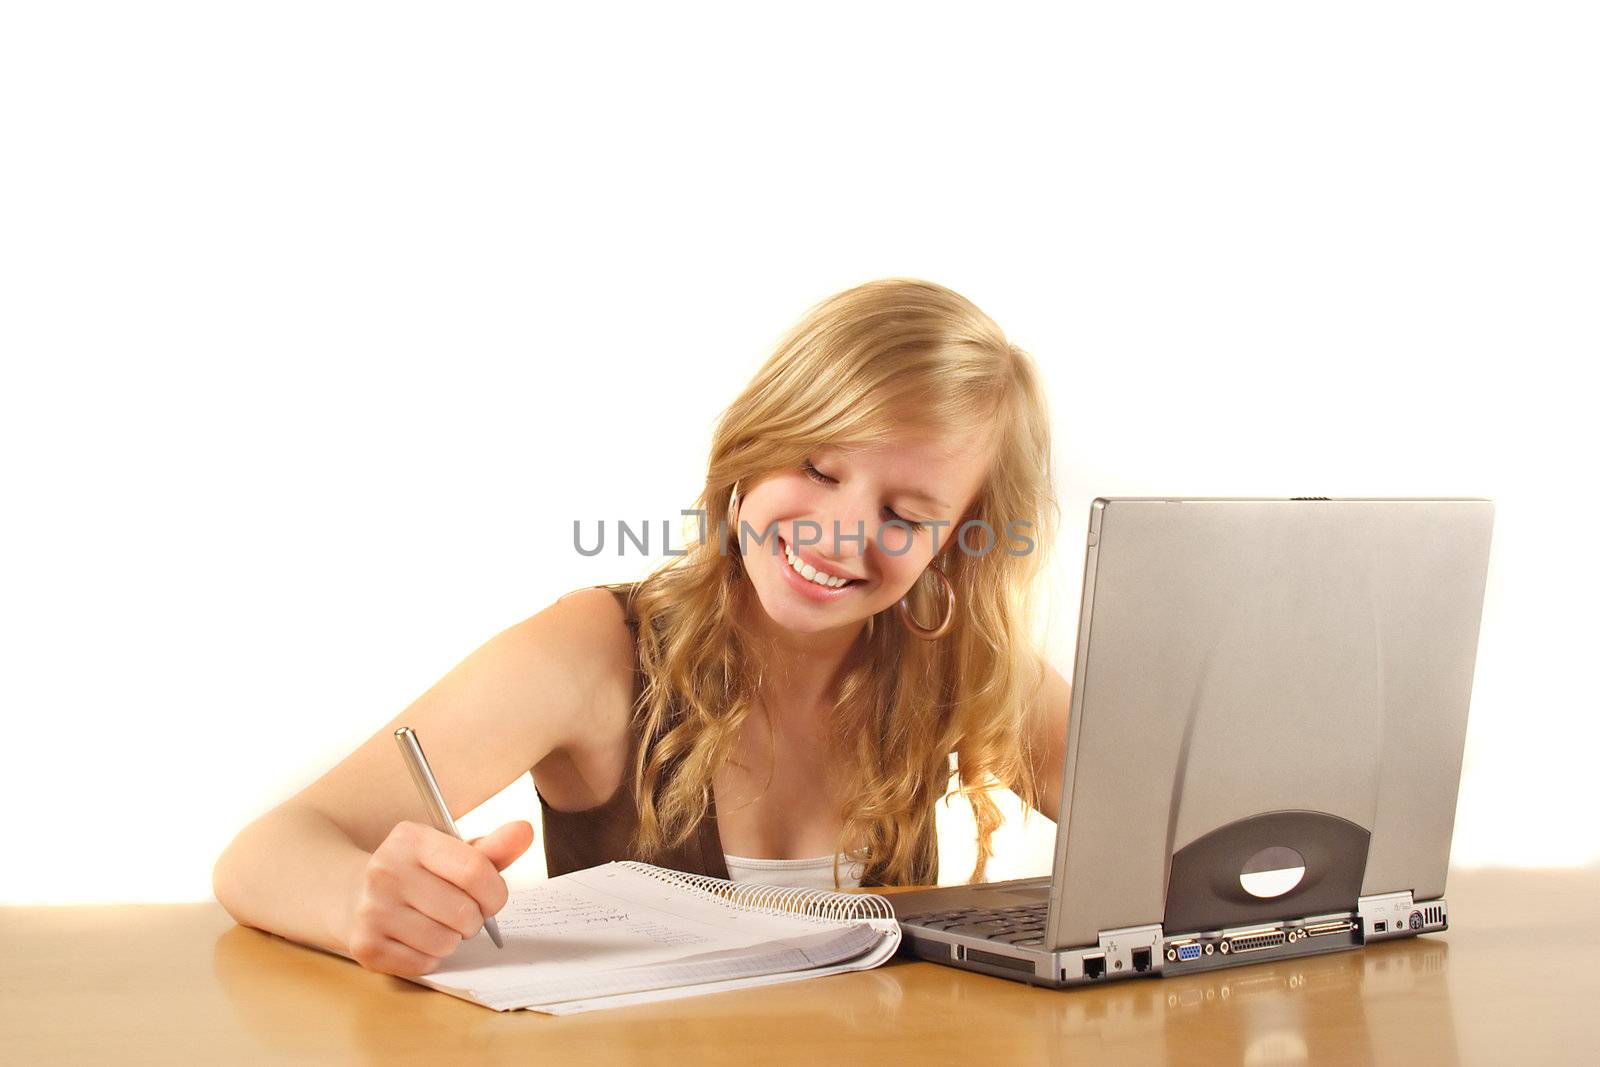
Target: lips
x=807 y=589
x=785 y=548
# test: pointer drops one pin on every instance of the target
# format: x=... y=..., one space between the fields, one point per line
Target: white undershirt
x=813 y=873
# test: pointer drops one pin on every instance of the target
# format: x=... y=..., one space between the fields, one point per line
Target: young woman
x=768 y=705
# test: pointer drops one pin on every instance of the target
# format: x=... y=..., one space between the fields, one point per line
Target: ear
x=950 y=542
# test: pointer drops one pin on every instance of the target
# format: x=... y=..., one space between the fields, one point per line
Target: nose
x=856 y=518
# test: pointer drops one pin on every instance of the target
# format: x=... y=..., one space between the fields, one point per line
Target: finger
x=442 y=902
x=506 y=844
x=501 y=829
x=385 y=955
x=420 y=933
x=466 y=868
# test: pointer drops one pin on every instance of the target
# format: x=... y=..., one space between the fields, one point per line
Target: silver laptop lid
x=1255 y=673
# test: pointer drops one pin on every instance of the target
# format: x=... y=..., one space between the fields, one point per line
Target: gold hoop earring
x=904 y=609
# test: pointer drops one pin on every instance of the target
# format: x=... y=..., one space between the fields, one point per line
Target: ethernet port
x=1094 y=966
x=1141 y=960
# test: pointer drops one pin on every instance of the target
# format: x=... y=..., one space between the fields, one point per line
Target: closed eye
x=817 y=476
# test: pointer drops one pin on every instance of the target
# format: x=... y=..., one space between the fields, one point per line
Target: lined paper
x=889 y=930
x=615 y=930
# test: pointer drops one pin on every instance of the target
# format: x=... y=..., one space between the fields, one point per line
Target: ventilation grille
x=994 y=959
x=1433 y=915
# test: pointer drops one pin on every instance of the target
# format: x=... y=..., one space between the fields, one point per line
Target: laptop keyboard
x=1019 y=925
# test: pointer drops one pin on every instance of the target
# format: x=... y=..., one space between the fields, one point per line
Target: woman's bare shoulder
x=585 y=767
x=538 y=693
x=589 y=625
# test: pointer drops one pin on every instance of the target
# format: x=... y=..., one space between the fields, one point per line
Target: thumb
x=506 y=843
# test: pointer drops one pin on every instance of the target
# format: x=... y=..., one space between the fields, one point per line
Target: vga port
x=1188 y=952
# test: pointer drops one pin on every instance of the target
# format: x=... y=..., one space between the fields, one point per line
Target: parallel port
x=1254 y=942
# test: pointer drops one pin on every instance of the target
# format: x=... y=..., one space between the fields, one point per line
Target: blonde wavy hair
x=866 y=365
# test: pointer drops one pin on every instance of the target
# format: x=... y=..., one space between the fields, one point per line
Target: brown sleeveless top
x=575 y=840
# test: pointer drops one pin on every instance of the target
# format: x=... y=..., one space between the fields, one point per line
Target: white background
x=323 y=322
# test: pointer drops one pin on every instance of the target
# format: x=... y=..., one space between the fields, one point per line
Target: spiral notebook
x=629 y=933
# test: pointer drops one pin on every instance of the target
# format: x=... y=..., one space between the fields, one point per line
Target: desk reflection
x=1334 y=1008
x=181 y=982
x=1386 y=1003
x=277 y=988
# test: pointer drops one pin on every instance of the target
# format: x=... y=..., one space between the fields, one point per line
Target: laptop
x=1269 y=708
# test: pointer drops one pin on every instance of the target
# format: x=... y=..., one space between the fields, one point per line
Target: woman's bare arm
x=525 y=693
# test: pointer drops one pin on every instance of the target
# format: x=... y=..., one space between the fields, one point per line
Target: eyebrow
x=917 y=494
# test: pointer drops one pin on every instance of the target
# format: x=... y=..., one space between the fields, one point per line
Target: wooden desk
x=1513 y=981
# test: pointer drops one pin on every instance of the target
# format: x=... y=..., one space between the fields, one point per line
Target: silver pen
x=422 y=774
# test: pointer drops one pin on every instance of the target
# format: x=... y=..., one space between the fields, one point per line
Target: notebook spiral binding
x=823 y=904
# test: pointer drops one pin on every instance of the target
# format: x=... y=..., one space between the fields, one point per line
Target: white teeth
x=810 y=573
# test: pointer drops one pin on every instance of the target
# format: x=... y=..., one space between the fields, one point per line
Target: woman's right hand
x=423 y=892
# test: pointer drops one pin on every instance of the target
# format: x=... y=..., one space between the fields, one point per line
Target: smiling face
x=917 y=480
